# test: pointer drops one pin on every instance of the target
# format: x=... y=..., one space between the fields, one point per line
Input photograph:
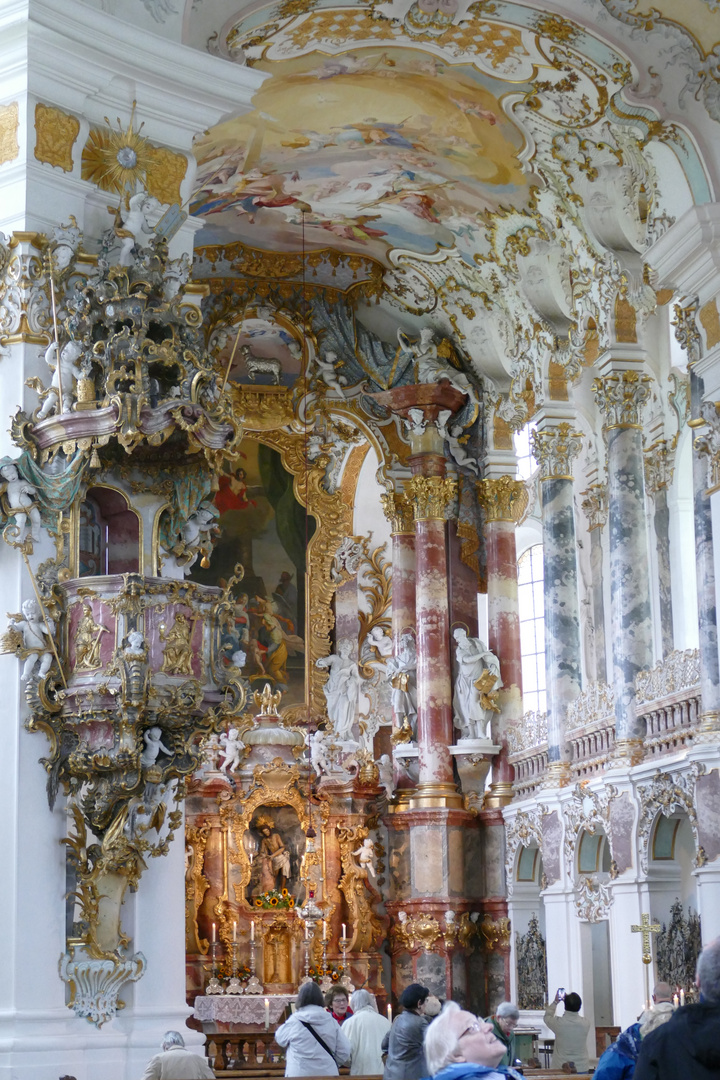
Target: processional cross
x=646 y=928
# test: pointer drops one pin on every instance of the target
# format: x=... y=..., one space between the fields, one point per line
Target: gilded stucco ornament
x=667 y=794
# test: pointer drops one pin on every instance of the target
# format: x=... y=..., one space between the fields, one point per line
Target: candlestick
x=389 y=1013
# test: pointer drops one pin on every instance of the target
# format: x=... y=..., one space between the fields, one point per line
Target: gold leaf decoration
x=165 y=174
x=55 y=135
x=9 y=146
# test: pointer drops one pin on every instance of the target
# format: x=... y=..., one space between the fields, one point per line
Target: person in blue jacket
x=619 y=1060
x=459 y=1046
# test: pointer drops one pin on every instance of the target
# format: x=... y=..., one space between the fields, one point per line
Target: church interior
x=360 y=507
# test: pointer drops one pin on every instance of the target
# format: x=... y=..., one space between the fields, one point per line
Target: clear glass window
x=532 y=628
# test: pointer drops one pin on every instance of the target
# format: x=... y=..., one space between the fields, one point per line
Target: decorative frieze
x=503 y=499
x=677 y=672
x=554 y=449
x=524 y=830
x=594 y=505
x=430 y=496
x=532 y=732
x=621 y=397
x=593 y=898
x=398 y=510
x=595 y=703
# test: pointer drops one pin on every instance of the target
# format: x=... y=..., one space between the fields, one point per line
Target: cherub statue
x=378 y=639
x=197 y=533
x=135 y=644
x=365 y=855
x=452 y=437
x=19 y=498
x=65 y=372
x=29 y=637
x=232 y=747
x=133 y=224
x=478 y=678
x=341 y=690
x=153 y=745
x=318 y=752
x=327 y=372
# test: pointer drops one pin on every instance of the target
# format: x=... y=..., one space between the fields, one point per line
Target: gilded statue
x=178 y=655
x=359 y=894
x=88 y=640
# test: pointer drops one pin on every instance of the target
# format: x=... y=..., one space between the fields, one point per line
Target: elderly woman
x=461 y=1047
x=315 y=1044
x=365 y=1031
x=503 y=1022
x=404 y=1041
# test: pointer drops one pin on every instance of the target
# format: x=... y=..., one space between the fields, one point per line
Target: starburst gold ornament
x=117 y=160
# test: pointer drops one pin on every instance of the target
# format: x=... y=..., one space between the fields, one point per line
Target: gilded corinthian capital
x=430 y=496
x=554 y=449
x=621 y=398
x=503 y=499
x=594 y=505
x=398 y=510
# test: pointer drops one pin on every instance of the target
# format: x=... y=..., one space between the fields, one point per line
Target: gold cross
x=646 y=928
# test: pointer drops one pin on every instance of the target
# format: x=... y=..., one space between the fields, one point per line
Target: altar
x=242 y=1010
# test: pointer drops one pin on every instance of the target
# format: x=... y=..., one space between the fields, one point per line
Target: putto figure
x=20 y=499
x=29 y=638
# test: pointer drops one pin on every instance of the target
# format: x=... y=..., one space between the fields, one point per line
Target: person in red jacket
x=338 y=1004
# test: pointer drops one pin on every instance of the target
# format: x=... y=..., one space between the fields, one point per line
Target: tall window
x=526 y=464
x=532 y=627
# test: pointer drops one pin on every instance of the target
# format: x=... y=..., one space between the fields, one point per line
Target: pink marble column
x=398 y=511
x=504 y=500
x=430 y=492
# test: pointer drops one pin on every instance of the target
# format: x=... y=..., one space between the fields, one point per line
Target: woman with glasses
x=458 y=1046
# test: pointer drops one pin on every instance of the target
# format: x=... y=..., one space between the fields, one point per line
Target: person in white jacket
x=365 y=1031
x=306 y=1055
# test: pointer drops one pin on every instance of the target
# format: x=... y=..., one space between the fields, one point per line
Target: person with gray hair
x=504 y=1021
x=459 y=1046
x=365 y=1031
x=177 y=1063
x=687 y=1047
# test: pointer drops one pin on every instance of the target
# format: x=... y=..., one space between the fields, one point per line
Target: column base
x=440 y=796
x=558 y=775
x=499 y=794
x=628 y=752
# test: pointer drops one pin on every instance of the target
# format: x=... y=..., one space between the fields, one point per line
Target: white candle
x=267 y=1013
x=213 y=933
x=252 y=930
x=234 y=931
x=682 y=997
x=389 y=1013
x=676 y=1000
x=324 y=930
x=344 y=930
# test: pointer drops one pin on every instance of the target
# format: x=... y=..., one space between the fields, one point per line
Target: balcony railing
x=668 y=700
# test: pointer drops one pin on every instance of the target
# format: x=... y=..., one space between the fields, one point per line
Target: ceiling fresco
x=381 y=148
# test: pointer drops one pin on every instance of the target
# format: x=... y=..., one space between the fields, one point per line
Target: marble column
x=504 y=500
x=594 y=506
x=554 y=447
x=659 y=468
x=705 y=457
x=620 y=397
x=398 y=511
x=430 y=491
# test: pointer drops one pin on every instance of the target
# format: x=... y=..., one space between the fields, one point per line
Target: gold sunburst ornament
x=116 y=160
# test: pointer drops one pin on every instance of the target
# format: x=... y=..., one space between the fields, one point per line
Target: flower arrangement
x=274 y=899
x=335 y=973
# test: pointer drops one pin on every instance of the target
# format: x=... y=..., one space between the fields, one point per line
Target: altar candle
x=682 y=997
x=267 y=1013
x=389 y=1013
x=344 y=929
x=252 y=930
x=234 y=931
x=676 y=1000
x=324 y=930
x=213 y=933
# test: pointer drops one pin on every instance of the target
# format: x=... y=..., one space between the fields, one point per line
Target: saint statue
x=273 y=856
x=341 y=690
x=478 y=679
x=403 y=672
x=88 y=638
x=177 y=657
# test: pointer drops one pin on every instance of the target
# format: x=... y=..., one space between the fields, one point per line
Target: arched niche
x=110 y=534
x=594 y=856
x=671 y=865
x=529 y=961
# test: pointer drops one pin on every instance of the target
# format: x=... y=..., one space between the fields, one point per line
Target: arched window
x=532 y=627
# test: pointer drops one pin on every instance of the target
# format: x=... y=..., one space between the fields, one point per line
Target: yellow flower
x=273 y=901
x=258 y=902
x=291 y=902
x=335 y=976
x=285 y=892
